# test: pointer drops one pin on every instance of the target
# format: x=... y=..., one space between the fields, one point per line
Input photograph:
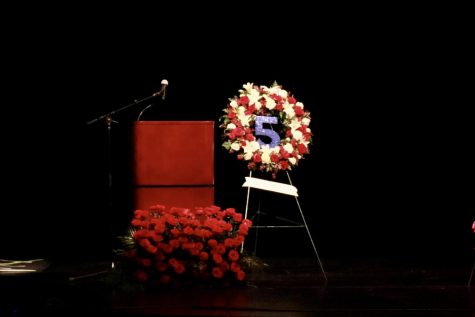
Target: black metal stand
x=108 y=120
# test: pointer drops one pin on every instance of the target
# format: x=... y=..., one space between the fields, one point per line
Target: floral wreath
x=267 y=127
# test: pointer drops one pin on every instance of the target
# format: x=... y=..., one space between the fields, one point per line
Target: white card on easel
x=270 y=186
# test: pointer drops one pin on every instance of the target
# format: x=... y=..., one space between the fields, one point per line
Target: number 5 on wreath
x=275 y=138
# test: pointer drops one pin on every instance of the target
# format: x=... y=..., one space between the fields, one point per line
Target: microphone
x=163 y=90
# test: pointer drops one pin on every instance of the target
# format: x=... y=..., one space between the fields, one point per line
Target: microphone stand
x=107 y=117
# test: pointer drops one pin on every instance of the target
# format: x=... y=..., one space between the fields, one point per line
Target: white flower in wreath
x=289 y=110
x=294 y=124
x=270 y=103
x=249 y=87
x=289 y=148
x=236 y=146
x=267 y=152
x=243 y=117
x=231 y=126
x=254 y=97
x=283 y=93
x=250 y=148
x=275 y=90
x=298 y=135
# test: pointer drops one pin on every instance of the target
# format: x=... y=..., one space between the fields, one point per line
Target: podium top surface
x=174 y=122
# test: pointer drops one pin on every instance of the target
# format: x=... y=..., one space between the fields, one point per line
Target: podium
x=173 y=163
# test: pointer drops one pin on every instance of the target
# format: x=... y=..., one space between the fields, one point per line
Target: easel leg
x=247 y=199
x=471 y=275
x=309 y=234
x=247 y=207
x=256 y=236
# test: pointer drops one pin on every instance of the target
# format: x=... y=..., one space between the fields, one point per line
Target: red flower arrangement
x=177 y=244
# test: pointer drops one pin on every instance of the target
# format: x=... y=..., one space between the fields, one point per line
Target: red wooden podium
x=173 y=163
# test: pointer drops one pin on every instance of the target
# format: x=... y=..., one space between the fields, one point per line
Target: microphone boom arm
x=109 y=114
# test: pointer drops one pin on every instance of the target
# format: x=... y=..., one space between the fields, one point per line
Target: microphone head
x=164 y=88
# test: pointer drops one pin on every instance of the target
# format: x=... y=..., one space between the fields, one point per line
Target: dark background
x=390 y=169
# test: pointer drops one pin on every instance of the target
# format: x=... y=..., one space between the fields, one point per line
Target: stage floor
x=276 y=287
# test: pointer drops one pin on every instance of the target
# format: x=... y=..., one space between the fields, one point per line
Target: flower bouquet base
x=183 y=247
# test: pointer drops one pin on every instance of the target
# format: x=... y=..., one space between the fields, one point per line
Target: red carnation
x=302 y=148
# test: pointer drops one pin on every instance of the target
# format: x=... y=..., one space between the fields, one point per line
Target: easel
x=473 y=268
x=287 y=189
